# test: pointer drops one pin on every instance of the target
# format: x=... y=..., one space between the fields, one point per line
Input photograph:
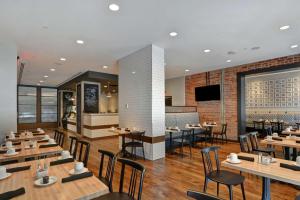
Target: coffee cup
x=51 y=141
x=46 y=137
x=269 y=137
x=232 y=157
x=288 y=129
x=298 y=160
x=275 y=134
x=8 y=144
x=78 y=166
x=11 y=151
x=65 y=154
x=2 y=171
x=12 y=136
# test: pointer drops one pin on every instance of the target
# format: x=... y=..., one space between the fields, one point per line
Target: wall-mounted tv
x=207 y=93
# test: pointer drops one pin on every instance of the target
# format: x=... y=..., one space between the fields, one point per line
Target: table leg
x=193 y=140
x=266 y=190
x=294 y=154
x=171 y=143
x=286 y=153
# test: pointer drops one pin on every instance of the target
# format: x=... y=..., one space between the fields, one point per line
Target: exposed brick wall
x=211 y=110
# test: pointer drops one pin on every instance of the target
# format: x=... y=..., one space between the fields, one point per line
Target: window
x=48 y=105
x=27 y=104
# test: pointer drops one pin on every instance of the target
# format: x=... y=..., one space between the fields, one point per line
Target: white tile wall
x=143 y=92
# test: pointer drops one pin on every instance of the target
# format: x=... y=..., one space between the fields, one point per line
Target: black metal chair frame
x=108 y=178
x=136 y=141
x=222 y=133
x=82 y=157
x=201 y=196
x=244 y=143
x=185 y=139
x=256 y=148
x=73 y=143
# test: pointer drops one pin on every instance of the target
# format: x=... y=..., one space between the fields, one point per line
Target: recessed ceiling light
x=45 y=76
x=114 y=7
x=173 y=34
x=294 y=46
x=187 y=70
x=42 y=81
x=284 y=27
x=52 y=69
x=105 y=86
x=38 y=84
x=63 y=59
x=133 y=72
x=79 y=41
x=105 y=67
x=228 y=61
x=207 y=50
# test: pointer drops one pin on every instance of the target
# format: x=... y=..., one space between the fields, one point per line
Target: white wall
x=175 y=87
x=8 y=88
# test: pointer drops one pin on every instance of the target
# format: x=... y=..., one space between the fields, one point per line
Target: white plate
x=296 y=164
x=61 y=158
x=6 y=176
x=39 y=182
x=269 y=140
x=28 y=147
x=234 y=162
x=72 y=171
x=11 y=154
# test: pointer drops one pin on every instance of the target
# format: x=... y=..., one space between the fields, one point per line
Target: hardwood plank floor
x=171 y=177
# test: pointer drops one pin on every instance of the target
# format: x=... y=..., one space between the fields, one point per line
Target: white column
x=8 y=88
x=141 y=95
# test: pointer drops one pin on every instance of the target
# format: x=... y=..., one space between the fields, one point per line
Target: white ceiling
x=44 y=31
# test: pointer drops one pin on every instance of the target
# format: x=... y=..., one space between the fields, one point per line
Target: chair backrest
x=82 y=151
x=253 y=140
x=269 y=130
x=137 y=135
x=201 y=196
x=55 y=135
x=108 y=178
x=224 y=129
x=60 y=138
x=73 y=144
x=207 y=161
x=244 y=143
x=137 y=175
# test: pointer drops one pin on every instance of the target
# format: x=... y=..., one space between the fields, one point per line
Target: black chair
x=222 y=133
x=136 y=142
x=244 y=143
x=297 y=197
x=108 y=178
x=207 y=134
x=256 y=148
x=73 y=143
x=217 y=175
x=201 y=196
x=185 y=139
x=82 y=151
x=56 y=133
x=60 y=138
x=137 y=172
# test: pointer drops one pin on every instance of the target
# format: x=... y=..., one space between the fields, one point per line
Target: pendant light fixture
x=108 y=94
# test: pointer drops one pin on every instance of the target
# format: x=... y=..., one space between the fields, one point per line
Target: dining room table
x=279 y=169
x=23 y=137
x=292 y=132
x=193 y=128
x=82 y=189
x=286 y=143
x=122 y=132
x=24 y=151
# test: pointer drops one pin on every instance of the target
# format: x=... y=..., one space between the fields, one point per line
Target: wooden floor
x=171 y=177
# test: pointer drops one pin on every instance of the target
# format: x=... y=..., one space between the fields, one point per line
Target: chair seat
x=114 y=196
x=226 y=177
x=133 y=144
x=266 y=150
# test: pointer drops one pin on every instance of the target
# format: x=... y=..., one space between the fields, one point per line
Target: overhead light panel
x=284 y=27
x=173 y=34
x=114 y=7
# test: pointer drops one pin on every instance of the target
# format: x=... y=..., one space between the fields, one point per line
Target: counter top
x=101 y=114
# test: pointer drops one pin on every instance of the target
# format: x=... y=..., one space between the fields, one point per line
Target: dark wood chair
x=201 y=196
x=222 y=133
x=256 y=148
x=56 y=133
x=244 y=143
x=136 y=142
x=217 y=175
x=185 y=139
x=60 y=139
x=136 y=177
x=108 y=178
x=73 y=142
x=82 y=151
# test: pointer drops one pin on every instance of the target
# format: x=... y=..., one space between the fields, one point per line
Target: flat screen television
x=207 y=93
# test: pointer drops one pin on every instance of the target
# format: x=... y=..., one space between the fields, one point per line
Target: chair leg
x=190 y=150
x=230 y=192
x=205 y=185
x=243 y=191
x=218 y=184
x=226 y=138
x=274 y=154
x=132 y=152
x=143 y=152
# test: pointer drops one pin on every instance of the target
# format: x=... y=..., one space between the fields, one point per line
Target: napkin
x=251 y=159
x=13 y=193
x=48 y=145
x=58 y=162
x=17 y=169
x=77 y=177
x=278 y=139
x=42 y=141
x=292 y=167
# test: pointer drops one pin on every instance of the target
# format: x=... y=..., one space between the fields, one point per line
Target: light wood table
x=267 y=172
x=33 y=152
x=23 y=138
x=297 y=132
x=87 y=188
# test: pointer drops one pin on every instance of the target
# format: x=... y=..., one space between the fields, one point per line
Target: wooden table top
x=284 y=143
x=273 y=171
x=23 y=137
x=87 y=188
x=24 y=153
x=297 y=132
